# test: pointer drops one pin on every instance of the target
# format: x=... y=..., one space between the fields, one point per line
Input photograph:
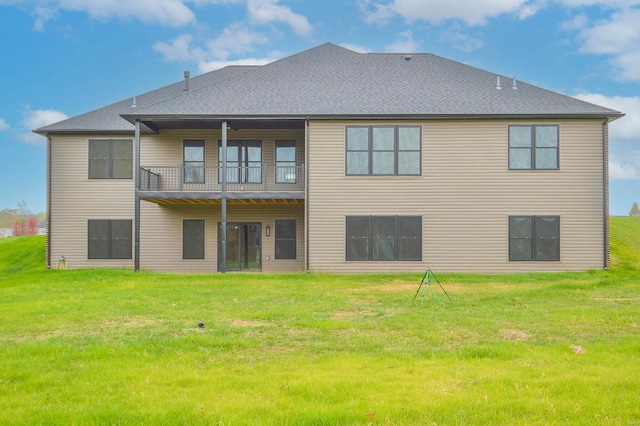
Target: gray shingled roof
x=330 y=81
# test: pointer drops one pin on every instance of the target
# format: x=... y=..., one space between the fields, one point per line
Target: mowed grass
x=117 y=347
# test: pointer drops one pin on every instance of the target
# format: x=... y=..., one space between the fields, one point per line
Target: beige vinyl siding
x=161 y=235
x=75 y=199
x=465 y=195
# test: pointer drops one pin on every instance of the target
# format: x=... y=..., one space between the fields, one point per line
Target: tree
x=32 y=226
x=18 y=228
x=635 y=210
x=23 y=211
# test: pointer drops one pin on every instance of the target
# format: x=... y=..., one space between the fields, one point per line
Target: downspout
x=48 y=257
x=223 y=219
x=306 y=194
x=605 y=191
x=136 y=265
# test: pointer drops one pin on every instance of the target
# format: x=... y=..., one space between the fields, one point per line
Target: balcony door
x=244 y=246
x=244 y=161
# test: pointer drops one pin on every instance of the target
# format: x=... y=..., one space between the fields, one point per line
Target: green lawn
x=117 y=347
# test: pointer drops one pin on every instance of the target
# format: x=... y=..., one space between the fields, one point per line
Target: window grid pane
x=110 y=159
x=193 y=239
x=357 y=236
x=384 y=238
x=534 y=238
x=109 y=239
x=193 y=161
x=390 y=150
x=286 y=160
x=533 y=147
x=285 y=238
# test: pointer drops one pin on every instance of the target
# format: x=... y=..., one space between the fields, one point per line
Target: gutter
x=306 y=195
x=296 y=117
x=48 y=184
x=605 y=191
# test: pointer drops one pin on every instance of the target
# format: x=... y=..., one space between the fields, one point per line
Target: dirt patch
x=339 y=315
x=136 y=322
x=516 y=335
x=245 y=323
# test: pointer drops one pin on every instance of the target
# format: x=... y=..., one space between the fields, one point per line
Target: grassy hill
x=625 y=243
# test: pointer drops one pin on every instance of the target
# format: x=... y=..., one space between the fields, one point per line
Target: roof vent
x=133 y=104
x=498 y=83
x=186 y=81
x=408 y=57
x=515 y=84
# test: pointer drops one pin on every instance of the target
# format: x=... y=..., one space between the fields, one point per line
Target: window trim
x=110 y=239
x=370 y=239
x=534 y=238
x=276 y=239
x=533 y=148
x=110 y=159
x=203 y=239
x=370 y=150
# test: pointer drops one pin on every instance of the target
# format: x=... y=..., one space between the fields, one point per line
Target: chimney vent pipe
x=186 y=81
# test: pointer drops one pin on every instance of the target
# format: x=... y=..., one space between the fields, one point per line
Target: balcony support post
x=136 y=261
x=223 y=220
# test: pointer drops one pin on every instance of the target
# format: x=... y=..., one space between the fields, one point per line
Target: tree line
x=21 y=220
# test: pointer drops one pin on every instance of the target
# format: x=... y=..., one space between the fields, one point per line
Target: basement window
x=377 y=238
x=534 y=238
x=109 y=239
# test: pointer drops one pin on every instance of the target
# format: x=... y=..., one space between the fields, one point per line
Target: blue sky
x=61 y=58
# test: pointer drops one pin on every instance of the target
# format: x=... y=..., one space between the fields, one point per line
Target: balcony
x=205 y=183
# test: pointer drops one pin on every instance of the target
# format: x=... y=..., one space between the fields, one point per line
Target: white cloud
x=178 y=50
x=618 y=37
x=42 y=15
x=404 y=44
x=626 y=128
x=622 y=170
x=206 y=66
x=578 y=22
x=39 y=118
x=171 y=13
x=234 y=40
x=3 y=125
x=624 y=134
x=472 y=12
x=356 y=47
x=460 y=40
x=268 y=11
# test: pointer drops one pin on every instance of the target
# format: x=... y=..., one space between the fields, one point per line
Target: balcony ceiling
x=156 y=125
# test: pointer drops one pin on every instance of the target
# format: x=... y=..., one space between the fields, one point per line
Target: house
x=335 y=161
